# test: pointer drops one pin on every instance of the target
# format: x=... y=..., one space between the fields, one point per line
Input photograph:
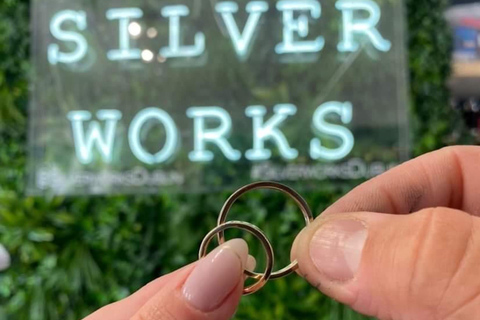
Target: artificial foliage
x=73 y=255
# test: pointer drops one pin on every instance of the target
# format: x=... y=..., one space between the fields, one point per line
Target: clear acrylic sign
x=191 y=96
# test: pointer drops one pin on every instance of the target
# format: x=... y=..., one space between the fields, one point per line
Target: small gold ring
x=302 y=204
x=261 y=278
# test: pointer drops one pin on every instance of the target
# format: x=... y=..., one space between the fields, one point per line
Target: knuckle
x=154 y=312
x=462 y=297
x=442 y=244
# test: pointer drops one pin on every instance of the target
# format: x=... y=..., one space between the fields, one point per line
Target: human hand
x=209 y=289
x=405 y=245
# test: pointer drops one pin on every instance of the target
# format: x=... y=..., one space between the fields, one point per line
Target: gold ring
x=261 y=278
x=302 y=204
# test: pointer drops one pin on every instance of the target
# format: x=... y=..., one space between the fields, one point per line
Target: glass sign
x=192 y=96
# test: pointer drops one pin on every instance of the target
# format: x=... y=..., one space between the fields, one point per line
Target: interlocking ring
x=261 y=278
x=307 y=214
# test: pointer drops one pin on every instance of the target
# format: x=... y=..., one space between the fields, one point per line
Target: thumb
x=418 y=266
x=211 y=291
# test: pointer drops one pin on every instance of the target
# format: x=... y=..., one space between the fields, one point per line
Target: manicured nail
x=216 y=275
x=251 y=263
x=336 y=248
x=250 y=266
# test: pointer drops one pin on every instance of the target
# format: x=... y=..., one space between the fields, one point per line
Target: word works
x=90 y=138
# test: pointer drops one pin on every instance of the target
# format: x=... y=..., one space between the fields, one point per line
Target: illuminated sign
x=151 y=96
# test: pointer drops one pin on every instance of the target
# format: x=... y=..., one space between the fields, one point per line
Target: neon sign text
x=297 y=18
x=96 y=140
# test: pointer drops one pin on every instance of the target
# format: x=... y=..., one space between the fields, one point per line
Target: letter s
x=344 y=110
x=80 y=19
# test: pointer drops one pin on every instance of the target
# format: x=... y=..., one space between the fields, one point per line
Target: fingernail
x=251 y=263
x=216 y=275
x=336 y=248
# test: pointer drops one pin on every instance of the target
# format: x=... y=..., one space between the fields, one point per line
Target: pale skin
x=404 y=245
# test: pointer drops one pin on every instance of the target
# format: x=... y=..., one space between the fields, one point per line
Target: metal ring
x=302 y=204
x=262 y=278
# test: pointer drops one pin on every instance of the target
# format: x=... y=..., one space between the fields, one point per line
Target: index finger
x=126 y=308
x=449 y=177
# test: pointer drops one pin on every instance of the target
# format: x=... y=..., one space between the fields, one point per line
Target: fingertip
x=240 y=248
x=251 y=263
x=212 y=290
x=321 y=252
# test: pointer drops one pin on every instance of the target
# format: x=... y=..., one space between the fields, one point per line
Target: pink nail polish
x=216 y=275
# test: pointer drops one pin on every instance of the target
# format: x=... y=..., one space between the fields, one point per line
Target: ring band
x=302 y=204
x=261 y=278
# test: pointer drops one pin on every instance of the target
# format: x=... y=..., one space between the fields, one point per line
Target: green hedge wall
x=72 y=255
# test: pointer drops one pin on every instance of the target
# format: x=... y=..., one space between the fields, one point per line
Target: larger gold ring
x=261 y=278
x=302 y=204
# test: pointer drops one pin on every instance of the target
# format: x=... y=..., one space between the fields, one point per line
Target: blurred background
x=72 y=254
